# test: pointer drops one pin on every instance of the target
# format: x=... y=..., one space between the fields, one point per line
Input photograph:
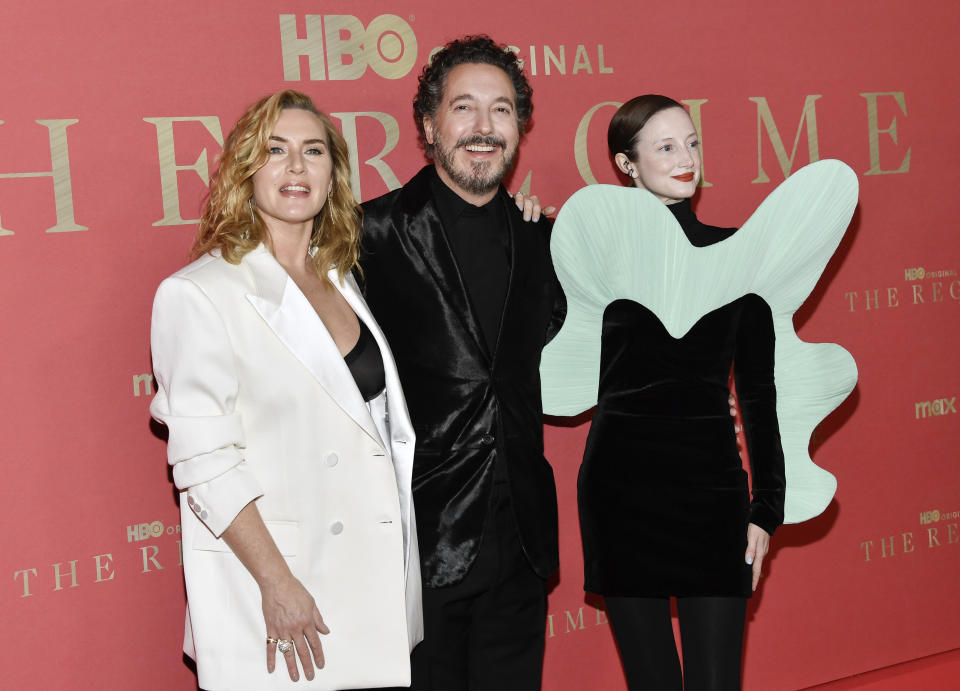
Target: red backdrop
x=112 y=115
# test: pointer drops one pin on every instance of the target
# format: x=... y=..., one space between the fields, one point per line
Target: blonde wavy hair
x=230 y=221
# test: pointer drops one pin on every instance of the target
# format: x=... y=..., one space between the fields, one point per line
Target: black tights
x=711 y=636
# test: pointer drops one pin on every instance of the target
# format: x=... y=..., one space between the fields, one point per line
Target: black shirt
x=480 y=239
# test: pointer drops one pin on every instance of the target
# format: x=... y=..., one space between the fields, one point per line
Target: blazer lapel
x=292 y=318
x=427 y=236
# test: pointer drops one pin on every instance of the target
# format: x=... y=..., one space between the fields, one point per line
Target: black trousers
x=486 y=633
x=711 y=635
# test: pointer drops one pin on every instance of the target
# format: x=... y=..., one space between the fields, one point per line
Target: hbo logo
x=929 y=516
x=142 y=531
x=913 y=274
x=338 y=46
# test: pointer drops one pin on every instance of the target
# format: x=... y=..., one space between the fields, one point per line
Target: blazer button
x=487 y=439
x=203 y=515
x=336 y=528
x=332 y=459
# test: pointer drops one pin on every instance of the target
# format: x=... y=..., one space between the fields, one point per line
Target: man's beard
x=483 y=176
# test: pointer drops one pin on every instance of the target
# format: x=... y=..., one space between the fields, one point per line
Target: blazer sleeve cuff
x=217 y=502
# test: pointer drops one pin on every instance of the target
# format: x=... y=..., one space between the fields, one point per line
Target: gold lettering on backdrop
x=871 y=298
x=179 y=552
x=338 y=46
x=851 y=295
x=893 y=297
x=550 y=58
x=581 y=60
x=154 y=550
x=143 y=383
x=169 y=168
x=293 y=47
x=60 y=172
x=391 y=130
x=574 y=623
x=105 y=566
x=935 y=408
x=693 y=105
x=934 y=539
x=883 y=547
x=907 y=543
x=765 y=121
x=874 y=131
x=26 y=580
x=580 y=153
x=388 y=45
x=574 y=620
x=67 y=575
x=555 y=61
x=603 y=68
x=58 y=577
x=391 y=46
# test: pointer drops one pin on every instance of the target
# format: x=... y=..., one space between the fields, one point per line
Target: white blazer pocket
x=286 y=535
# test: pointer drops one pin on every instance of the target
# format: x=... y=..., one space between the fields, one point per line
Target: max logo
x=941 y=406
x=339 y=47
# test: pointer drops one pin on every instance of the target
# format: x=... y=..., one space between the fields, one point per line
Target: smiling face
x=474 y=131
x=666 y=157
x=292 y=186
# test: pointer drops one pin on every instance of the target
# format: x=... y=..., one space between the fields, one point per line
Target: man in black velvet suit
x=465 y=291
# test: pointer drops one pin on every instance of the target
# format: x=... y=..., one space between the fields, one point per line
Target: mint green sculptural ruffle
x=612 y=243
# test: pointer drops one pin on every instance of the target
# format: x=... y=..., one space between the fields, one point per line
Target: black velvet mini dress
x=663 y=497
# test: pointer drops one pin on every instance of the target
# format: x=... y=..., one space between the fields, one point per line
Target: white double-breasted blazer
x=261 y=406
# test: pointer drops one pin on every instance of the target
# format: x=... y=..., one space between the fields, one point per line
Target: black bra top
x=366 y=364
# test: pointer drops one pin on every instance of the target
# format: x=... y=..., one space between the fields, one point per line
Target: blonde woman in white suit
x=288 y=432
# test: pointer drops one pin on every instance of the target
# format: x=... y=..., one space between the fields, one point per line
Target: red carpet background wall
x=113 y=114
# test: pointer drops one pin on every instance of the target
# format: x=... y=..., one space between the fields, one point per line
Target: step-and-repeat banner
x=111 y=118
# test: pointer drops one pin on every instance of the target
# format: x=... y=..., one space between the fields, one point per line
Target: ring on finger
x=285 y=646
x=271 y=639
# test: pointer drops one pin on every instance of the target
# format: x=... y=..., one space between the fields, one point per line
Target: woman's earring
x=631 y=172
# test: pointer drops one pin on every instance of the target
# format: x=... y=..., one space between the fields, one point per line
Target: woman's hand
x=530 y=206
x=758 y=544
x=291 y=614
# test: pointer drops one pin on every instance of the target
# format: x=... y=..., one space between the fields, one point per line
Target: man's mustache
x=488 y=140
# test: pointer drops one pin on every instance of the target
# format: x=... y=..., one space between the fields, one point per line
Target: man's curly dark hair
x=469 y=50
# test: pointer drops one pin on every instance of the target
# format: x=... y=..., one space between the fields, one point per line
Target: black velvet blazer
x=468 y=405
